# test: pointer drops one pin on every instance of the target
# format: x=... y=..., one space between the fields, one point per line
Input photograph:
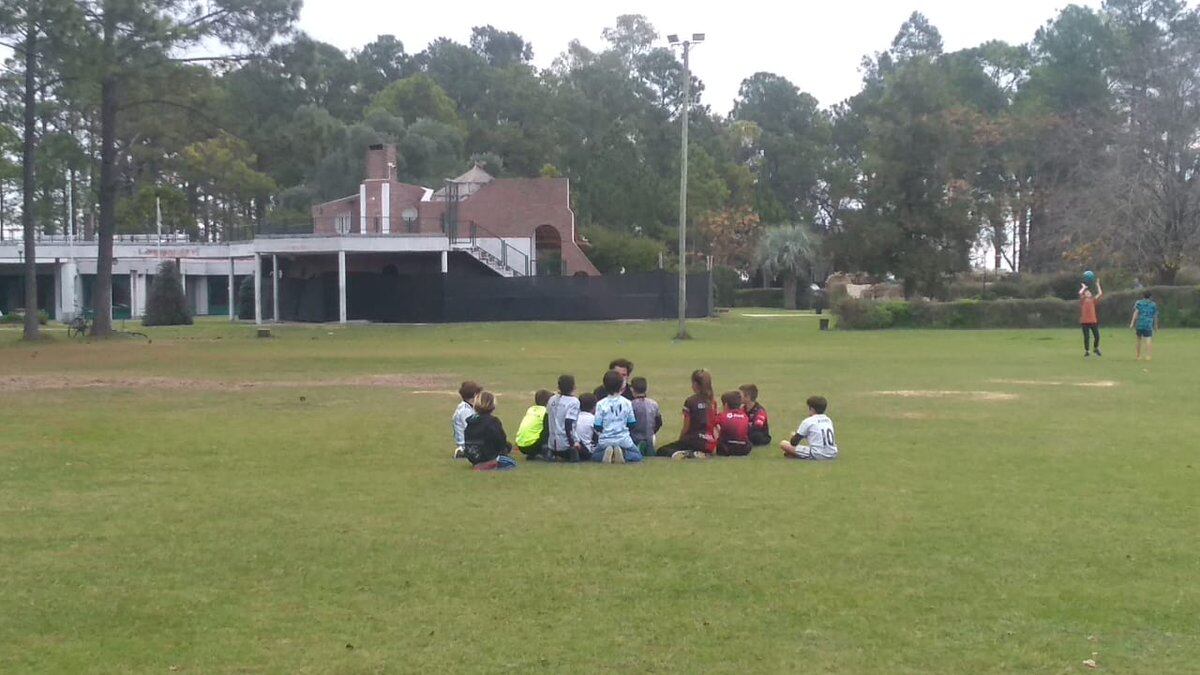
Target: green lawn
x=215 y=503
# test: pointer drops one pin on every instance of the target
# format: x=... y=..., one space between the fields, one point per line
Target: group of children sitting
x=618 y=424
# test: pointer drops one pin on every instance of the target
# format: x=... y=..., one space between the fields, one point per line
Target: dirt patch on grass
x=1100 y=384
x=913 y=416
x=19 y=383
x=948 y=393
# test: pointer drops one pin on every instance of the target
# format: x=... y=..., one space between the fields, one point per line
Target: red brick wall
x=507 y=207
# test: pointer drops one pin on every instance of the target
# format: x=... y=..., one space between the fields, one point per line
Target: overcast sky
x=818 y=45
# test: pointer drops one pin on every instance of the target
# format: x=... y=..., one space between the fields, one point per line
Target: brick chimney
x=381 y=162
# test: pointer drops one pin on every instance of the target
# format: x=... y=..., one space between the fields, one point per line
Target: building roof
x=475 y=175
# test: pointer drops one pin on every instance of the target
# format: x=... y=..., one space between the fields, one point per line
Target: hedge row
x=1179 y=307
x=758 y=297
x=18 y=316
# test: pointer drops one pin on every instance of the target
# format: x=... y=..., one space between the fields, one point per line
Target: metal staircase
x=491 y=261
x=503 y=258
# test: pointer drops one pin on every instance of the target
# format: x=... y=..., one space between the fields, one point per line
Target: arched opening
x=547 y=242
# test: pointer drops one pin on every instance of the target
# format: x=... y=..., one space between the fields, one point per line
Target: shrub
x=960 y=314
x=17 y=316
x=725 y=284
x=758 y=297
x=854 y=314
x=1062 y=285
x=166 y=304
x=610 y=251
x=1178 y=306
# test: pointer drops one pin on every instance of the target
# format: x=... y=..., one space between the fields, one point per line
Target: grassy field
x=215 y=503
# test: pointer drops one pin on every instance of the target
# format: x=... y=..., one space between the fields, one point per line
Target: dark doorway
x=548 y=244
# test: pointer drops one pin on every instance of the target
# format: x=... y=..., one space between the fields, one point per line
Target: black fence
x=437 y=298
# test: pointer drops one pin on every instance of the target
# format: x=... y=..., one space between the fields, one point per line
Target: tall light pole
x=686 y=45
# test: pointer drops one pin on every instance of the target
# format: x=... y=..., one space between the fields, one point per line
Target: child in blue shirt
x=614 y=419
x=1145 y=322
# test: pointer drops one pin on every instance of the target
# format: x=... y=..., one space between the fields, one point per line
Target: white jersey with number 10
x=818 y=430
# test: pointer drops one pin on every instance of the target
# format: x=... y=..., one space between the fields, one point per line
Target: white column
x=133 y=294
x=445 y=262
x=258 y=288
x=232 y=311
x=275 y=287
x=385 y=200
x=341 y=287
x=68 y=275
x=362 y=208
x=58 y=290
x=140 y=300
x=202 y=296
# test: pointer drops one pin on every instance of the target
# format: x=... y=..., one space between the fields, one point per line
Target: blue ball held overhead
x=1089 y=277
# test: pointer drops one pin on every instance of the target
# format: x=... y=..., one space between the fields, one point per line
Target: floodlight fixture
x=697 y=37
x=673 y=39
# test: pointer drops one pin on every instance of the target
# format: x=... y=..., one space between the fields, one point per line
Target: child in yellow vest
x=534 y=429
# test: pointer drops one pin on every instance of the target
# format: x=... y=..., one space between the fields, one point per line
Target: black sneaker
x=1098 y=353
x=1086 y=354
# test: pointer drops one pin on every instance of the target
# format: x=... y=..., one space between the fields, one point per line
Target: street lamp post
x=686 y=45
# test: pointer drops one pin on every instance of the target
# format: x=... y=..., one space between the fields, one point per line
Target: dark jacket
x=760 y=427
x=484 y=439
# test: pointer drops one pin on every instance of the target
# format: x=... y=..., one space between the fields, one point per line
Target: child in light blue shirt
x=614 y=420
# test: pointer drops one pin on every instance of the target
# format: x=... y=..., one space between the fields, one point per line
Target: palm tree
x=789 y=252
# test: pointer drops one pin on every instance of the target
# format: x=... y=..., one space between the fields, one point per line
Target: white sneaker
x=618 y=456
x=459 y=454
x=679 y=454
x=608 y=456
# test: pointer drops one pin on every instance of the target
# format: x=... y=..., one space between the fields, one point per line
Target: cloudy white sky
x=817 y=44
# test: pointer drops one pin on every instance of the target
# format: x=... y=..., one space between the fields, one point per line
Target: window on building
x=341 y=223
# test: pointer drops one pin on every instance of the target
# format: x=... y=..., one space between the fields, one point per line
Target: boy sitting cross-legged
x=733 y=427
x=458 y=422
x=614 y=419
x=647 y=414
x=760 y=428
x=484 y=442
x=817 y=429
x=563 y=417
x=585 y=430
x=534 y=430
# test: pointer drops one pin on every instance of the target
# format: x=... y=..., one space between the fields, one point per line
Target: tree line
x=1077 y=148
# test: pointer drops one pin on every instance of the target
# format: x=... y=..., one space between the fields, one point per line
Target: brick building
x=532 y=216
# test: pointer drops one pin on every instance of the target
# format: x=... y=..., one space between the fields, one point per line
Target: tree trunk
x=102 y=297
x=998 y=232
x=28 y=158
x=789 y=292
x=1033 y=260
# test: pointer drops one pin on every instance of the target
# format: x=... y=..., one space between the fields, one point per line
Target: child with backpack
x=485 y=444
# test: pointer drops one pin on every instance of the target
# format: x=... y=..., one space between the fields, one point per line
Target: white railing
x=179 y=238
